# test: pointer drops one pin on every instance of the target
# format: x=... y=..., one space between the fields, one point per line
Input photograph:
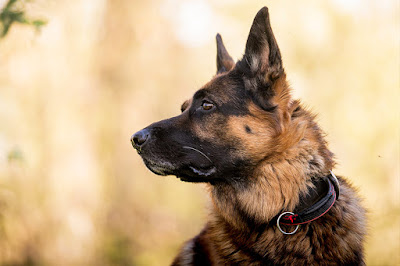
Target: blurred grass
x=72 y=189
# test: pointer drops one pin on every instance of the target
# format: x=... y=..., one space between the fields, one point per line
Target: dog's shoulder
x=196 y=251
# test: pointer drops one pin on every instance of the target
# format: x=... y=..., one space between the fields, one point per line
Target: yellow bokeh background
x=72 y=189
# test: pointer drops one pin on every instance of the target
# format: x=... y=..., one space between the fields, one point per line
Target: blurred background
x=72 y=189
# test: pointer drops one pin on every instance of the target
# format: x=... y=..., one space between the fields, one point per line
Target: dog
x=275 y=199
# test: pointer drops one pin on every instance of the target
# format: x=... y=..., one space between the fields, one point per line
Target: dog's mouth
x=193 y=174
x=196 y=167
x=189 y=173
x=159 y=168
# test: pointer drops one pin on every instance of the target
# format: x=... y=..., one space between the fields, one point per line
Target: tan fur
x=316 y=250
x=284 y=151
x=260 y=153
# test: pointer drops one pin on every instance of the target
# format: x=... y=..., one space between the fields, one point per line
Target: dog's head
x=243 y=116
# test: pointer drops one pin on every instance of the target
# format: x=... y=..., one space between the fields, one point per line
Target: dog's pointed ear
x=224 y=60
x=262 y=54
x=261 y=66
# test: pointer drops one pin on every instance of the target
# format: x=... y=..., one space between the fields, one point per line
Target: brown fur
x=277 y=183
x=289 y=149
x=259 y=152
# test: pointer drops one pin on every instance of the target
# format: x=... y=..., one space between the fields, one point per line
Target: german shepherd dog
x=266 y=163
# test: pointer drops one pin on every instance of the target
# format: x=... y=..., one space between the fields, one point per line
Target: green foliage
x=116 y=250
x=14 y=11
x=15 y=155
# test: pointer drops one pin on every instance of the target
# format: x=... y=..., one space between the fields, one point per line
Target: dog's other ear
x=224 y=60
x=262 y=55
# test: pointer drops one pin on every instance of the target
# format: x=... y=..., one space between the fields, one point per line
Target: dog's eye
x=207 y=106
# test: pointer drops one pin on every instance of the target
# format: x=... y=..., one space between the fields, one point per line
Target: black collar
x=315 y=204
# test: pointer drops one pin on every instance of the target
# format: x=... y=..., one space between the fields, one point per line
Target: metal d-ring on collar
x=279 y=227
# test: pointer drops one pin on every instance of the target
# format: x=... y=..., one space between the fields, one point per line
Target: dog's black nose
x=139 y=138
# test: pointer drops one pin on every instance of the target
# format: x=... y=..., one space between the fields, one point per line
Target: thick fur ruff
x=259 y=152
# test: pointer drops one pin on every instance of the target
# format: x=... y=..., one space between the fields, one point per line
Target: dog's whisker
x=194 y=149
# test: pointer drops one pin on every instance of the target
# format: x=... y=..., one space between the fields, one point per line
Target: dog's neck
x=274 y=186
